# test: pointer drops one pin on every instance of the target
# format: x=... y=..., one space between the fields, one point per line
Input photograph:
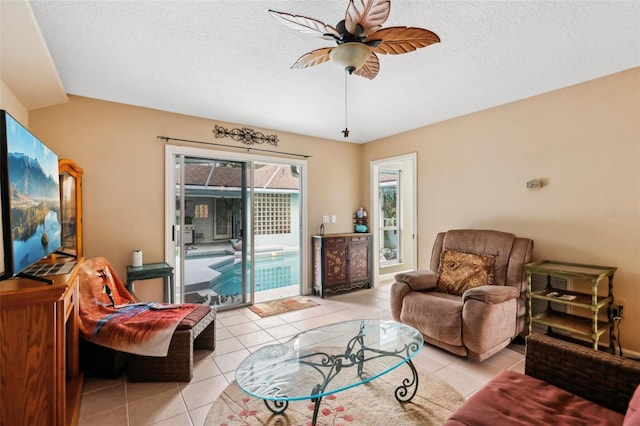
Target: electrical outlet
x=616 y=311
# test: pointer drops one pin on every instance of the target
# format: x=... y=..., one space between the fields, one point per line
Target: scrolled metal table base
x=403 y=392
x=279 y=407
x=335 y=363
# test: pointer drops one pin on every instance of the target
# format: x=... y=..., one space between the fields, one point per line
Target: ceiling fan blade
x=369 y=14
x=312 y=58
x=306 y=25
x=370 y=68
x=398 y=40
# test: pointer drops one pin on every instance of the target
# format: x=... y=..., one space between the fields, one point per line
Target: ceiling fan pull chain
x=345 y=132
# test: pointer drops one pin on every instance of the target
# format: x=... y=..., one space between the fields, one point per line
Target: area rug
x=369 y=404
x=280 y=306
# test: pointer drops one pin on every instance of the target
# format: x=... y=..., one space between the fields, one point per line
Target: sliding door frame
x=171 y=151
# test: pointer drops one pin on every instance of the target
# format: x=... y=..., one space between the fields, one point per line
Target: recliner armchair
x=473 y=300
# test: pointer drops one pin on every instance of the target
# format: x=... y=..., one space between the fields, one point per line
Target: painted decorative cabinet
x=341 y=262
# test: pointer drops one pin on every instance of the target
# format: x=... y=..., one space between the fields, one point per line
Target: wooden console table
x=39 y=360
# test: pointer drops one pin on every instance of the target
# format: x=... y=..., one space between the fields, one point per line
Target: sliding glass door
x=234 y=227
x=277 y=230
x=209 y=231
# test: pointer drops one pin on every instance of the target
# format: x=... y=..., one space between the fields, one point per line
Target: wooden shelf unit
x=588 y=326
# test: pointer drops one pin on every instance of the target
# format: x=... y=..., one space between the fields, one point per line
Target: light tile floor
x=240 y=332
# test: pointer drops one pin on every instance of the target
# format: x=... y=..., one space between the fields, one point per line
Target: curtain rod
x=167 y=139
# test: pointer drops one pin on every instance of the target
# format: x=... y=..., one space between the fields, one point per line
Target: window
x=273 y=214
x=201 y=211
x=389 y=201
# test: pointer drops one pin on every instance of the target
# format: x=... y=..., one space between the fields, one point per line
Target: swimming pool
x=223 y=274
x=272 y=271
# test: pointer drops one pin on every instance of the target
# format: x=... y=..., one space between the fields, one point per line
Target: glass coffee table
x=330 y=359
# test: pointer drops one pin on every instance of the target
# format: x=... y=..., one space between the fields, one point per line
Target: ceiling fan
x=359 y=36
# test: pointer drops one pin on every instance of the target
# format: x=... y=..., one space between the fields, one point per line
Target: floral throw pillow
x=460 y=271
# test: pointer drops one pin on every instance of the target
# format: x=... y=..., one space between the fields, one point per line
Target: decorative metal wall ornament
x=245 y=135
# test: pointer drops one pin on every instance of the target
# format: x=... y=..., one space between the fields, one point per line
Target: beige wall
x=10 y=103
x=123 y=161
x=582 y=141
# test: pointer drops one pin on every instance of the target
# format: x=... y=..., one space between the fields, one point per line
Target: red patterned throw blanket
x=110 y=316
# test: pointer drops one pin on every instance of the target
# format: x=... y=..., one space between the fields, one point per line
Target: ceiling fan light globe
x=350 y=56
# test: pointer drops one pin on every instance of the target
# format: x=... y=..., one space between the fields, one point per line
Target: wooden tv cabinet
x=40 y=379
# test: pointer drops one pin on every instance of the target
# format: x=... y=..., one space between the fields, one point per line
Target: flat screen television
x=30 y=194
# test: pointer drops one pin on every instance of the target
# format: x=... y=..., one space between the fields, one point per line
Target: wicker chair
x=600 y=377
x=196 y=330
x=564 y=384
x=177 y=366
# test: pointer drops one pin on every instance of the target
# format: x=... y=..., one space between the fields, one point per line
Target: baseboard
x=390 y=276
x=625 y=353
x=386 y=278
x=631 y=354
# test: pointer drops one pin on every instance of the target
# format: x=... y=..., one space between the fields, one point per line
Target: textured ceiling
x=230 y=60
